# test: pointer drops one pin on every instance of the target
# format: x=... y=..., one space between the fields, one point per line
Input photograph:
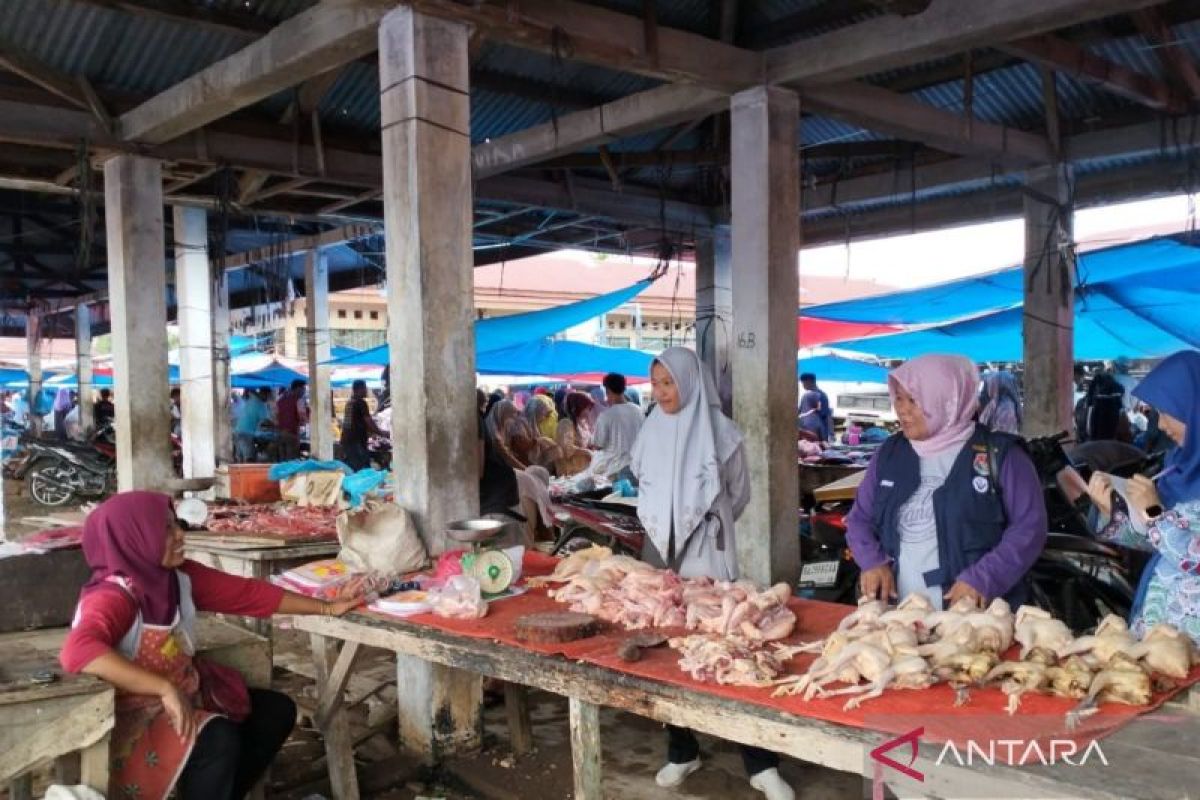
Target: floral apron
x=147 y=755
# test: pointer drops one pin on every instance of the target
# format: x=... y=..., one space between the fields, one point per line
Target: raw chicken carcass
x=1036 y=628
x=1027 y=675
x=571 y=565
x=857 y=662
x=1165 y=650
x=1122 y=681
x=993 y=626
x=964 y=670
x=725 y=660
x=1070 y=679
x=867 y=615
x=1112 y=636
x=914 y=611
x=905 y=672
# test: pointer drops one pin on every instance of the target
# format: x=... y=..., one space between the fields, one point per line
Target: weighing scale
x=487 y=564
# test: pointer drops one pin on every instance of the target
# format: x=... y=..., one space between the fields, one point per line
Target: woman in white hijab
x=691 y=467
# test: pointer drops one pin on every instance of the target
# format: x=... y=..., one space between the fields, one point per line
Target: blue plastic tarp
x=550 y=357
x=834 y=368
x=286 y=469
x=16 y=377
x=501 y=333
x=1158 y=262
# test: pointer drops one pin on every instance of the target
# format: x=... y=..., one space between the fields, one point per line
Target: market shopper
x=946 y=507
x=251 y=415
x=357 y=428
x=617 y=428
x=291 y=414
x=104 y=411
x=573 y=436
x=181 y=722
x=815 y=415
x=1167 y=510
x=543 y=423
x=691 y=464
x=1001 y=402
x=62 y=407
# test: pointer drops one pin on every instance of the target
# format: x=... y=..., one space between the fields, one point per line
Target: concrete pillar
x=1049 y=326
x=714 y=302
x=425 y=111
x=765 y=165
x=316 y=313
x=222 y=428
x=83 y=359
x=133 y=210
x=193 y=293
x=33 y=359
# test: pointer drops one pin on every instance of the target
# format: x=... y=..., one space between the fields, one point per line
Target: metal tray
x=474 y=530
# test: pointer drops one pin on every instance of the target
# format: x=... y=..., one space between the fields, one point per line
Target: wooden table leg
x=331 y=714
x=520 y=729
x=94 y=765
x=21 y=788
x=585 y=749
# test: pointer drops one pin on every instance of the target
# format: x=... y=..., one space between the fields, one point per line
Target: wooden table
x=67 y=721
x=255 y=558
x=1154 y=756
x=842 y=489
x=813 y=476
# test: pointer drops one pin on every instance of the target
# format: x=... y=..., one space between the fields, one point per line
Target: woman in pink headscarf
x=181 y=723
x=948 y=508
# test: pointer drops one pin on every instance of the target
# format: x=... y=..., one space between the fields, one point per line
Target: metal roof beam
x=945 y=28
x=311 y=43
x=1053 y=52
x=77 y=91
x=242 y=24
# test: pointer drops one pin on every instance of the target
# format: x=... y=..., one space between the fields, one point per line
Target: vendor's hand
x=1142 y=494
x=179 y=712
x=878 y=583
x=337 y=608
x=1100 y=490
x=962 y=589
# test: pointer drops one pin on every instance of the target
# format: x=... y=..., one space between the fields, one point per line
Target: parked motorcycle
x=587 y=520
x=57 y=473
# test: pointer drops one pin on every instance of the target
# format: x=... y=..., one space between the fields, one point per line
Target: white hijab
x=678 y=458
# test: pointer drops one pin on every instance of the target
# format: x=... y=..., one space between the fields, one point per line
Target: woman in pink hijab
x=948 y=508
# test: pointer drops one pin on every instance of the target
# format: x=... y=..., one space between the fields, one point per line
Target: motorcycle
x=56 y=473
x=1076 y=577
x=587 y=520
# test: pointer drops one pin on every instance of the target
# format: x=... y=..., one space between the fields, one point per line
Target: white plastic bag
x=460 y=598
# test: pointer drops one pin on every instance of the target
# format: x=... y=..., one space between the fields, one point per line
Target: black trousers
x=356 y=455
x=682 y=747
x=230 y=757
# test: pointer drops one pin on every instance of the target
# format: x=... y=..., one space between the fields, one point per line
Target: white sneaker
x=672 y=774
x=770 y=783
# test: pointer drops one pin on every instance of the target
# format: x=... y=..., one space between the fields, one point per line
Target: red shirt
x=288 y=415
x=108 y=613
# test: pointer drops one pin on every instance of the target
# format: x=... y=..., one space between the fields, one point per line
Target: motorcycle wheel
x=48 y=485
x=582 y=538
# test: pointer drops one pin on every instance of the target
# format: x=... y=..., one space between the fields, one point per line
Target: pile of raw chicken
x=734 y=620
x=912 y=646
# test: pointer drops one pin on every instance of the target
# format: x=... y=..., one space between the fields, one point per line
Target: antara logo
x=912 y=738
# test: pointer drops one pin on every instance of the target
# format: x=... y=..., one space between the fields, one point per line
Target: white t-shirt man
x=617 y=429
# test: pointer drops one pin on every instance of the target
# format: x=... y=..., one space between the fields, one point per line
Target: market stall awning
x=814 y=331
x=576 y=360
x=501 y=333
x=836 y=368
x=1154 y=260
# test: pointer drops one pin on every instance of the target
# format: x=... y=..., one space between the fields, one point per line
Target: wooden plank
x=516 y=709
x=1054 y=52
x=312 y=42
x=339 y=747
x=94 y=764
x=332 y=693
x=585 y=749
x=842 y=489
x=899 y=115
x=38 y=732
x=945 y=28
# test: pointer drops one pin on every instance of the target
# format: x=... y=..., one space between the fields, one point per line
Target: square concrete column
x=137 y=290
x=765 y=165
x=33 y=362
x=1049 y=326
x=193 y=293
x=425 y=110
x=222 y=425
x=714 y=304
x=316 y=313
x=83 y=360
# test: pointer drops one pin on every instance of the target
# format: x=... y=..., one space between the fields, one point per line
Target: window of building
x=358 y=313
x=341 y=313
x=618 y=341
x=374 y=315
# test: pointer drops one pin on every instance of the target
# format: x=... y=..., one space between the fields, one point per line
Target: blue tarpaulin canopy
x=501 y=333
x=549 y=357
x=1150 y=262
x=835 y=368
x=16 y=377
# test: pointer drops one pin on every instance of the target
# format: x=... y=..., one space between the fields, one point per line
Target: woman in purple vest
x=947 y=507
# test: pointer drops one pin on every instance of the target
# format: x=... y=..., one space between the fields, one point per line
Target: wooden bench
x=68 y=720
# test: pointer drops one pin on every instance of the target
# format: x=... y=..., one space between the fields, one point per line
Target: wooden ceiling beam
x=1173 y=57
x=946 y=27
x=244 y=25
x=76 y=90
x=1056 y=53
